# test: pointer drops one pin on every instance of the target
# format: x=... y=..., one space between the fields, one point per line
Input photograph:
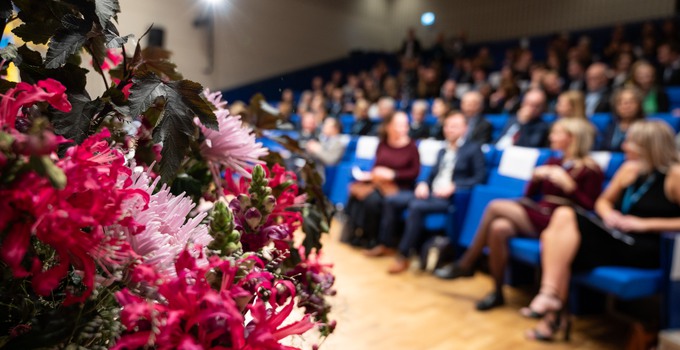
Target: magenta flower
x=25 y=95
x=202 y=308
x=70 y=220
x=233 y=146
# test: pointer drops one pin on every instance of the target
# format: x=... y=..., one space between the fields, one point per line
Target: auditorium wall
x=258 y=39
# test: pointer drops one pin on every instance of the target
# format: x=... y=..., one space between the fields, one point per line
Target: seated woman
x=575 y=179
x=643 y=77
x=460 y=165
x=627 y=104
x=396 y=167
x=571 y=104
x=641 y=201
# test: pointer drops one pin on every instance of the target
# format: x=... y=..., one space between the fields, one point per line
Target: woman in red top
x=575 y=179
x=397 y=162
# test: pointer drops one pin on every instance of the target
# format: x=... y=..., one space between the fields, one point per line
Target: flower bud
x=253 y=217
x=269 y=203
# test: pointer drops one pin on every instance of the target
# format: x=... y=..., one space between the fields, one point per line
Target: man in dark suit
x=418 y=129
x=460 y=165
x=527 y=128
x=668 y=55
x=597 y=89
x=479 y=129
x=411 y=47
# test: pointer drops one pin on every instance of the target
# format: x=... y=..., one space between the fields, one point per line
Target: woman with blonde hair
x=641 y=201
x=572 y=179
x=571 y=104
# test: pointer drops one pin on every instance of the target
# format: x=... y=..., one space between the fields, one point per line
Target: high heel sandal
x=560 y=322
x=551 y=302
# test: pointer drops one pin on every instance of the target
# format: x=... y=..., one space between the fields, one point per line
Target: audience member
x=449 y=93
x=576 y=75
x=552 y=86
x=527 y=128
x=363 y=125
x=330 y=147
x=396 y=167
x=336 y=105
x=506 y=99
x=410 y=47
x=575 y=179
x=418 y=128
x=643 y=77
x=305 y=103
x=668 y=55
x=641 y=201
x=627 y=109
x=439 y=110
x=285 y=112
x=308 y=128
x=571 y=104
x=478 y=128
x=597 y=90
x=460 y=165
x=621 y=69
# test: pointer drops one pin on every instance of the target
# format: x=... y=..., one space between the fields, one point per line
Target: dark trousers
x=364 y=215
x=413 y=229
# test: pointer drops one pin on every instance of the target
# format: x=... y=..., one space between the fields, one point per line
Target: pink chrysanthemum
x=234 y=145
x=167 y=232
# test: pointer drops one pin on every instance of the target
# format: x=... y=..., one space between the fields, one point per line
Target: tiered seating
x=461 y=222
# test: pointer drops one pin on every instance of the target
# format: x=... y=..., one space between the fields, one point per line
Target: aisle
x=417 y=311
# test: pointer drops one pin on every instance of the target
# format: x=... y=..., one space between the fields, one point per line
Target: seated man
x=418 y=129
x=527 y=129
x=330 y=148
x=460 y=165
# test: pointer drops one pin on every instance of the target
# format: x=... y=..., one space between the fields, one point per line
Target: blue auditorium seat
x=673 y=121
x=673 y=96
x=498 y=122
x=347 y=121
x=601 y=121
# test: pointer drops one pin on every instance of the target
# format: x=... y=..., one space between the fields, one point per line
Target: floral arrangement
x=147 y=217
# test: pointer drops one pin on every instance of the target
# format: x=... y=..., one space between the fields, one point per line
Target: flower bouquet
x=147 y=217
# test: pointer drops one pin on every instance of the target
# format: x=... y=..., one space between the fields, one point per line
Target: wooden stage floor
x=415 y=310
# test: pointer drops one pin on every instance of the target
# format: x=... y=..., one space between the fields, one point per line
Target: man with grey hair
x=597 y=90
x=479 y=129
x=418 y=129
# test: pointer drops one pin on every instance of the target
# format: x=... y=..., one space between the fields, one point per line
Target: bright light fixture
x=427 y=19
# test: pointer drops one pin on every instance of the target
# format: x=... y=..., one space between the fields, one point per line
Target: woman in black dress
x=640 y=202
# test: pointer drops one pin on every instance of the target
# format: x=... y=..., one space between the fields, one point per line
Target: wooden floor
x=415 y=310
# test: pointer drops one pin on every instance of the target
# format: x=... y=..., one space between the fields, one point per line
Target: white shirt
x=446 y=167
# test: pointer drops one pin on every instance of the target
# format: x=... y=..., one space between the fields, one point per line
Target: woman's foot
x=399 y=265
x=379 y=250
x=452 y=271
x=492 y=300
x=550 y=326
x=542 y=304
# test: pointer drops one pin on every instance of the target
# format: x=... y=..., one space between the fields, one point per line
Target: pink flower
x=167 y=231
x=234 y=145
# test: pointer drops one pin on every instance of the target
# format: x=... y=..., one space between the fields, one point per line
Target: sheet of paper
x=518 y=162
x=360 y=175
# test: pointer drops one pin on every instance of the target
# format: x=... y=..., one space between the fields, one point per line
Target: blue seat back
x=480 y=198
x=672 y=121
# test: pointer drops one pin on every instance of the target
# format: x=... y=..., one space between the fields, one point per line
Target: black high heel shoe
x=557 y=322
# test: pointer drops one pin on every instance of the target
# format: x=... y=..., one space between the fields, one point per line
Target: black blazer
x=420 y=132
x=469 y=170
x=481 y=133
x=603 y=105
x=532 y=134
x=362 y=127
